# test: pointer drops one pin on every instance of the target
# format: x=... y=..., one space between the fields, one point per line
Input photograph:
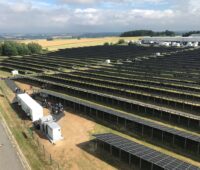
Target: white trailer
x=53 y=132
x=33 y=109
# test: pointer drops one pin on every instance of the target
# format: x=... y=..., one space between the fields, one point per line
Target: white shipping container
x=54 y=131
x=33 y=109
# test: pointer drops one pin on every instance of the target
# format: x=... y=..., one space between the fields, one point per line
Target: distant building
x=158 y=40
x=50 y=39
x=195 y=35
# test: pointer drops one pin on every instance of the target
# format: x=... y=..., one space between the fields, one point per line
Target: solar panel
x=158 y=157
x=129 y=148
x=150 y=155
x=164 y=161
x=124 y=144
x=173 y=164
x=145 y=153
x=193 y=168
x=184 y=165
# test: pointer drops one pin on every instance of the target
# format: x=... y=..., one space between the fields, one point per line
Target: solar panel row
x=126 y=116
x=145 y=153
x=150 y=106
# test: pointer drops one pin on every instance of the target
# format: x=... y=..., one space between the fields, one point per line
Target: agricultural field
x=74 y=43
x=4 y=74
x=150 y=95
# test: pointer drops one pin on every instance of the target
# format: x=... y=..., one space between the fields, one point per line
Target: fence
x=33 y=137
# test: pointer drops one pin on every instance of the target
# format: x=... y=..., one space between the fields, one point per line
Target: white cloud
x=87 y=17
x=109 y=1
x=21 y=7
x=85 y=11
x=38 y=16
x=152 y=14
x=194 y=7
x=62 y=19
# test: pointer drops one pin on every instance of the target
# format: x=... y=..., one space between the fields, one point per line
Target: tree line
x=147 y=33
x=12 y=48
x=187 y=34
x=153 y=33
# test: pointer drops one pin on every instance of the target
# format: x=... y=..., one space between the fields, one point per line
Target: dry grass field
x=73 y=43
x=4 y=74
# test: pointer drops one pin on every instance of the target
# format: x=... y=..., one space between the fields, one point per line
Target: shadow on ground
x=89 y=147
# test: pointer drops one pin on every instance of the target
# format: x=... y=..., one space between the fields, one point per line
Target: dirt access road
x=9 y=158
x=75 y=130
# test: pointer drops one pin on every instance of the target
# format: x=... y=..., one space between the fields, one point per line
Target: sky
x=78 y=16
